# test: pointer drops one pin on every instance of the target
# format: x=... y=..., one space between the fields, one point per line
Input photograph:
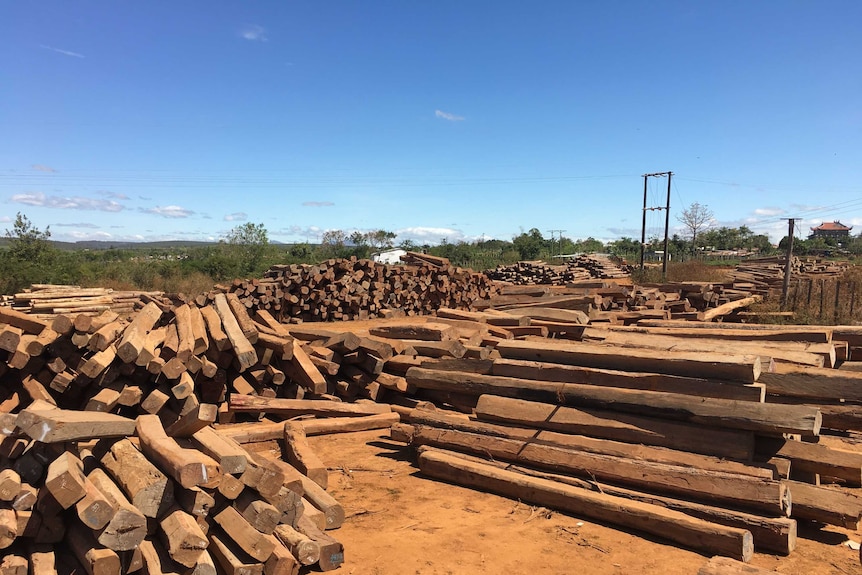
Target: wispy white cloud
x=81 y=236
x=617 y=232
x=769 y=212
x=253 y=32
x=43 y=168
x=430 y=235
x=168 y=211
x=236 y=217
x=61 y=51
x=84 y=225
x=448 y=116
x=318 y=204
x=66 y=203
x=113 y=195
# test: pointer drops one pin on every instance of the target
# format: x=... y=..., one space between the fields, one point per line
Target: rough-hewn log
x=135 y=336
x=814 y=458
x=95 y=509
x=331 y=551
x=577 y=442
x=626 y=427
x=95 y=559
x=775 y=535
x=298 y=453
x=760 y=417
x=248 y=538
x=188 y=466
x=543 y=371
x=245 y=353
x=143 y=483
x=831 y=506
x=810 y=354
x=293 y=407
x=730 y=306
x=232 y=560
x=813 y=383
x=743 y=368
x=183 y=537
x=729 y=488
x=128 y=526
x=302 y=371
x=230 y=456
x=59 y=425
x=305 y=549
x=665 y=523
x=65 y=479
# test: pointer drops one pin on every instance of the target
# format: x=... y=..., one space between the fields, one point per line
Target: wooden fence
x=826 y=301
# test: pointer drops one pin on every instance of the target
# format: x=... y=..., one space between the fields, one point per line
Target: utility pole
x=785 y=288
x=666 y=207
x=666 y=227
x=552 y=240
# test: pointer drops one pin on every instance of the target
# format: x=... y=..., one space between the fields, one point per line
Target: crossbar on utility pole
x=785 y=287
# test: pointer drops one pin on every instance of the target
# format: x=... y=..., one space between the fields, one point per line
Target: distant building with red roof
x=830 y=230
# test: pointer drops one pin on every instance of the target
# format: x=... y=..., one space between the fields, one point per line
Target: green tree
x=247 y=243
x=589 y=245
x=27 y=243
x=529 y=245
x=380 y=239
x=625 y=247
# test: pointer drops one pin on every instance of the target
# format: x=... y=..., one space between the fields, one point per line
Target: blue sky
x=436 y=120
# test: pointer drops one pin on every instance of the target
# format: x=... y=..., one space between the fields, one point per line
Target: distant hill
x=98 y=245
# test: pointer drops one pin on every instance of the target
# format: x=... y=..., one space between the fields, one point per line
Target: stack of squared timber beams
x=348 y=289
x=706 y=435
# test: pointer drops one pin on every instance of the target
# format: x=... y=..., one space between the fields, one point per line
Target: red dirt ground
x=401 y=523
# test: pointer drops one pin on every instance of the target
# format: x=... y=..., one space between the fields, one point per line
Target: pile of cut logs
x=49 y=299
x=174 y=494
x=583 y=267
x=662 y=427
x=680 y=444
x=117 y=495
x=608 y=302
x=348 y=289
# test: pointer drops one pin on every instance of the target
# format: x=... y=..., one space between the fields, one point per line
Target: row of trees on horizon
x=30 y=257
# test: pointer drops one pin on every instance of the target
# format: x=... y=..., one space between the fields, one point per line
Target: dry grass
x=690 y=271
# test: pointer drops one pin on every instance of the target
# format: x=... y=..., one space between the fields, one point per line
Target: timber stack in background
x=348 y=289
x=708 y=435
x=582 y=267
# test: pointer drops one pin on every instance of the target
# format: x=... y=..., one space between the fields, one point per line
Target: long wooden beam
x=743 y=368
x=759 y=417
x=665 y=523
